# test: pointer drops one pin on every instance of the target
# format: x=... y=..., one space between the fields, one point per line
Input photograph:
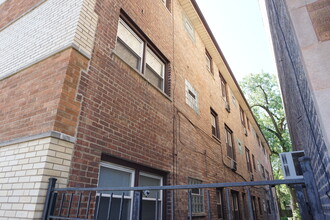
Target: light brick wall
x=24 y=172
x=51 y=27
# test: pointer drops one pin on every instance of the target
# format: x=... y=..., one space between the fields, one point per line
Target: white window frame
x=123 y=169
x=190 y=100
x=137 y=37
x=162 y=76
x=189 y=27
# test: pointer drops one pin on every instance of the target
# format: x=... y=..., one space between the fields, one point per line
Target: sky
x=242 y=33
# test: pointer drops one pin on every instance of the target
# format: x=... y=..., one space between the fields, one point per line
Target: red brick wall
x=41 y=97
x=124 y=116
x=12 y=9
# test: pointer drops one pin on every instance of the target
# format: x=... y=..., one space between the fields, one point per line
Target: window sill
x=201 y=214
x=113 y=53
x=216 y=138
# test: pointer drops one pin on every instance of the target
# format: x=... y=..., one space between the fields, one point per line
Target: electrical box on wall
x=291 y=165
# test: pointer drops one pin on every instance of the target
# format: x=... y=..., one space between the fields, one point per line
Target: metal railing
x=89 y=203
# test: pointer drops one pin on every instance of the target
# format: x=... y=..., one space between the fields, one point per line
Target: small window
x=248 y=123
x=197 y=197
x=267 y=175
x=140 y=54
x=214 y=124
x=260 y=206
x=220 y=205
x=254 y=206
x=254 y=162
x=248 y=160
x=229 y=143
x=209 y=66
x=191 y=97
x=241 y=114
x=189 y=28
x=263 y=149
x=262 y=171
x=268 y=207
x=235 y=205
x=224 y=92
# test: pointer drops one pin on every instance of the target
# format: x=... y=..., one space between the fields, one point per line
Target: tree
x=263 y=94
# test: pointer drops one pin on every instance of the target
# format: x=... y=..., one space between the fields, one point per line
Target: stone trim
x=53 y=134
x=71 y=45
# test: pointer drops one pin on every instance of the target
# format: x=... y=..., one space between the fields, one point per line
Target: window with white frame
x=139 y=53
x=208 y=62
x=197 y=196
x=191 y=96
x=214 y=124
x=189 y=27
x=113 y=175
x=229 y=143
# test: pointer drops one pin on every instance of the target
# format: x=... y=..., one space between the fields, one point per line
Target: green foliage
x=263 y=94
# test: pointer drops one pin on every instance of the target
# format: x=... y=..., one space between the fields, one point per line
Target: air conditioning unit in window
x=251 y=177
x=233 y=165
x=227 y=107
x=291 y=165
x=245 y=132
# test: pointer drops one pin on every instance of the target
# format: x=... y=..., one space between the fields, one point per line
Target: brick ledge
x=54 y=134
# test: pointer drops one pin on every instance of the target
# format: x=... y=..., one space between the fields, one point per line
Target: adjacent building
x=121 y=93
x=301 y=38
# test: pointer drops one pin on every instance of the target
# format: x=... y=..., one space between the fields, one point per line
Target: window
x=114 y=175
x=191 y=97
x=268 y=207
x=138 y=52
x=254 y=162
x=262 y=171
x=263 y=149
x=235 y=205
x=260 y=206
x=267 y=175
x=189 y=28
x=254 y=207
x=209 y=66
x=248 y=160
x=229 y=143
x=241 y=114
x=197 y=197
x=224 y=92
x=248 y=123
x=220 y=205
x=214 y=124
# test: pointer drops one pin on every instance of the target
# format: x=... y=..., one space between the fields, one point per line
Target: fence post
x=137 y=205
x=313 y=196
x=251 y=215
x=302 y=201
x=50 y=191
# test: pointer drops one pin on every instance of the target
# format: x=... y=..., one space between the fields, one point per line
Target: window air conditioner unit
x=291 y=165
x=251 y=177
x=227 y=106
x=245 y=132
x=233 y=165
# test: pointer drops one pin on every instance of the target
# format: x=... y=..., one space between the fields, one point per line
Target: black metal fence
x=116 y=203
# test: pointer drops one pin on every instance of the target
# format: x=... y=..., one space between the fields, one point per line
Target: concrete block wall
x=25 y=168
x=47 y=29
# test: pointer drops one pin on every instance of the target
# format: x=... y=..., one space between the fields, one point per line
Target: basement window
x=197 y=197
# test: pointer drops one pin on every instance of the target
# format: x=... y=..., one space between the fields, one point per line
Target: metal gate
x=100 y=203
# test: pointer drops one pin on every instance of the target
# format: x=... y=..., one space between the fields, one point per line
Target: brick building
x=301 y=38
x=122 y=90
